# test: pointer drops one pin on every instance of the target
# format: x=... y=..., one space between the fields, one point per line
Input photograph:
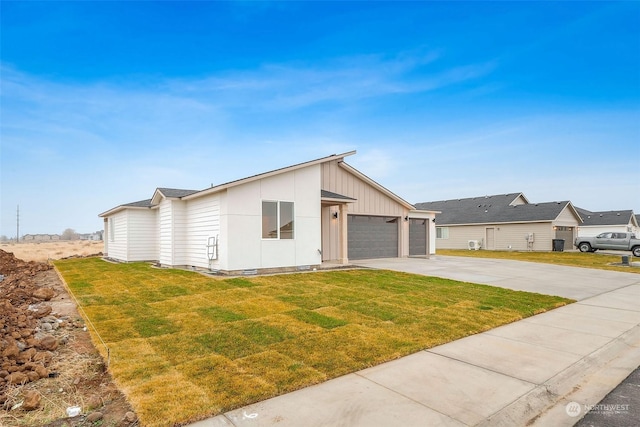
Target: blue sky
x=102 y=102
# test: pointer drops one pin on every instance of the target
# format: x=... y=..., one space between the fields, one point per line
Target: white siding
x=142 y=240
x=165 y=222
x=518 y=201
x=566 y=218
x=180 y=242
x=118 y=245
x=594 y=230
x=203 y=222
x=243 y=218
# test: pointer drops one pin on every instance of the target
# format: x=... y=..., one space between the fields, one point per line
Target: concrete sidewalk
x=542 y=370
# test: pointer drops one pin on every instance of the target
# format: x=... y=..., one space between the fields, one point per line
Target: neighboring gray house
x=594 y=223
x=503 y=222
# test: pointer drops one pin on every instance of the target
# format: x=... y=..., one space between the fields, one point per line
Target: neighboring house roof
x=494 y=209
x=607 y=217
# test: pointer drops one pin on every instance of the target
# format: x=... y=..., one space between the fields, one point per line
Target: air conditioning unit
x=474 y=245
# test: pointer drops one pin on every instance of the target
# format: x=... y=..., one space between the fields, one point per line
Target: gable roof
x=494 y=209
x=141 y=204
x=607 y=217
x=215 y=189
x=175 y=193
x=169 y=193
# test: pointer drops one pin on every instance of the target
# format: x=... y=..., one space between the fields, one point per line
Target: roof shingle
x=492 y=209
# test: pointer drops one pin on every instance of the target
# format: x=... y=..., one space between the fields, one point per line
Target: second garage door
x=372 y=236
x=417 y=237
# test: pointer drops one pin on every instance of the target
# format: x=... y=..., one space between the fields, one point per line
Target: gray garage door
x=417 y=237
x=372 y=236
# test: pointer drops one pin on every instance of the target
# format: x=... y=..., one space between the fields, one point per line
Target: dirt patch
x=43 y=251
x=48 y=364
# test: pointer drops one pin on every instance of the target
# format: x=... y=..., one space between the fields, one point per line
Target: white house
x=291 y=218
x=595 y=223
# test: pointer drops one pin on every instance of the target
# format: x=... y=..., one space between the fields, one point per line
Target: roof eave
x=121 y=208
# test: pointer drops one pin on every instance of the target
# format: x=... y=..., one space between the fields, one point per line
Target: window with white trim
x=442 y=232
x=278 y=220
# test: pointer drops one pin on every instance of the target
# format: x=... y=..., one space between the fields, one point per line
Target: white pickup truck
x=610 y=241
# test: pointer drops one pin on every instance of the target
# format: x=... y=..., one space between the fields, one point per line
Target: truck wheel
x=584 y=247
x=636 y=251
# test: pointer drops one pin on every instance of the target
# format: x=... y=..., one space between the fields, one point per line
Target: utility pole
x=18 y=225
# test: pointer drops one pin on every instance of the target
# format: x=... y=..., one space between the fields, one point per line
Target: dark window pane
x=269 y=220
x=286 y=220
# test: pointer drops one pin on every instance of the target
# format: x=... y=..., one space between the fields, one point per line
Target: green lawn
x=576 y=259
x=184 y=346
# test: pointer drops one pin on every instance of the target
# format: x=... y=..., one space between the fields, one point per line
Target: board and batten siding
x=203 y=222
x=505 y=235
x=369 y=200
x=142 y=235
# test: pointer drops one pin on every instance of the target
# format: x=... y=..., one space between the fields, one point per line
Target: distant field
x=43 y=251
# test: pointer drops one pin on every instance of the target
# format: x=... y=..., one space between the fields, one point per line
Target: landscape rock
x=35 y=328
x=42 y=371
x=20 y=308
x=42 y=311
x=44 y=294
x=49 y=343
x=94 y=402
x=17 y=378
x=12 y=351
x=130 y=417
x=94 y=416
x=31 y=401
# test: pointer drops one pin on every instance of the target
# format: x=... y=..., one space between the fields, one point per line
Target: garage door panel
x=417 y=237
x=372 y=236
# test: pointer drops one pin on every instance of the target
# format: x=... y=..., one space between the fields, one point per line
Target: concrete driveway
x=569 y=282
